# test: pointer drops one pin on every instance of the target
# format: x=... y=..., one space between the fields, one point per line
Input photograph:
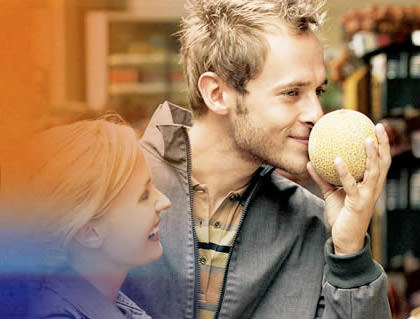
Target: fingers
x=383 y=147
x=384 y=151
x=372 y=170
x=378 y=162
x=323 y=185
x=348 y=181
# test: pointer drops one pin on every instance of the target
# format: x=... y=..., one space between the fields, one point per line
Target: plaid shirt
x=216 y=231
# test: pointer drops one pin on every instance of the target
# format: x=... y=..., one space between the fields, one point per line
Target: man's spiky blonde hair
x=226 y=37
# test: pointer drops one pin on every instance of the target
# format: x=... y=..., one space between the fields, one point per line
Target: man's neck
x=217 y=162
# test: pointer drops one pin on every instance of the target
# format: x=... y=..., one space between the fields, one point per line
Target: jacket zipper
x=191 y=192
x=222 y=292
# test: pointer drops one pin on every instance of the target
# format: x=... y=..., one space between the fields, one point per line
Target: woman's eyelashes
x=144 y=196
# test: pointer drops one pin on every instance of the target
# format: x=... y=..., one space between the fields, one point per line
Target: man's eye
x=320 y=92
x=144 y=196
x=291 y=93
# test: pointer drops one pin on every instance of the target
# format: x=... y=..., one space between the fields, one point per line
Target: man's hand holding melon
x=346 y=149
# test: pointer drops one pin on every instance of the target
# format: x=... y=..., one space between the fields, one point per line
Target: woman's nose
x=162 y=202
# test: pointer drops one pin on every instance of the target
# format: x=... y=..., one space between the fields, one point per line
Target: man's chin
x=298 y=168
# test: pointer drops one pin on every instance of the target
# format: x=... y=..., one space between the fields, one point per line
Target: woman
x=94 y=209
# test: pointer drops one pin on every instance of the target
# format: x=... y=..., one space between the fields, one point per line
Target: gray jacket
x=281 y=264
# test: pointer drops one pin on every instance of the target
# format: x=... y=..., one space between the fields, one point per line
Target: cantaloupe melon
x=340 y=133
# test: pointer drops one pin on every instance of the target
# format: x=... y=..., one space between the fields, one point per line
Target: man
x=240 y=242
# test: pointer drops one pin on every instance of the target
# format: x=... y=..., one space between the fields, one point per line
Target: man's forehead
x=293 y=59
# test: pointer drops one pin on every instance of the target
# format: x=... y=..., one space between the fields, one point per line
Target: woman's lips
x=154 y=236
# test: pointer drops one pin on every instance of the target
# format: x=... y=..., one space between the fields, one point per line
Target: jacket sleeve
x=354 y=287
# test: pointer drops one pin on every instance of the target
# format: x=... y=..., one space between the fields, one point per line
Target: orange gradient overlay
x=24 y=86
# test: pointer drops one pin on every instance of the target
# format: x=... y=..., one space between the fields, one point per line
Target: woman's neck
x=107 y=278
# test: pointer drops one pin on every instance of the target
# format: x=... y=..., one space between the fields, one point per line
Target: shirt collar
x=233 y=195
x=129 y=308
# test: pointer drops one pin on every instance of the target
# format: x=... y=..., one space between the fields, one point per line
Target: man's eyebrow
x=296 y=84
x=292 y=84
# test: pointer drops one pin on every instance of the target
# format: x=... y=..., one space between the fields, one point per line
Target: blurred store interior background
x=71 y=59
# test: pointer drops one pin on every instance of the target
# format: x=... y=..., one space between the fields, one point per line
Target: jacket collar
x=166 y=133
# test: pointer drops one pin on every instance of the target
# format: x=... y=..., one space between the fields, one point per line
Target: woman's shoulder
x=50 y=303
x=73 y=297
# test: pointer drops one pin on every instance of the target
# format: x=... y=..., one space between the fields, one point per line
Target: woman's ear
x=212 y=89
x=89 y=236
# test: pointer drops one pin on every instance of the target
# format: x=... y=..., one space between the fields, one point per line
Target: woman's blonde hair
x=226 y=37
x=74 y=171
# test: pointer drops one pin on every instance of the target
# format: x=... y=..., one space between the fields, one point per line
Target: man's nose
x=311 y=111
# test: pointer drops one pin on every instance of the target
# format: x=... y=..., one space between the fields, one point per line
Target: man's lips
x=301 y=139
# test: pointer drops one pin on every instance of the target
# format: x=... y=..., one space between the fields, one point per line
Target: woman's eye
x=144 y=196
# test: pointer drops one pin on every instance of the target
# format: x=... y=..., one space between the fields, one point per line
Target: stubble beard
x=256 y=145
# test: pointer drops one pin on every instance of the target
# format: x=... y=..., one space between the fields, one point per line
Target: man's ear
x=212 y=89
x=89 y=236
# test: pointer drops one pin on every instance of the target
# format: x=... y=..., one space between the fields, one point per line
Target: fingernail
x=381 y=127
x=338 y=160
x=369 y=140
